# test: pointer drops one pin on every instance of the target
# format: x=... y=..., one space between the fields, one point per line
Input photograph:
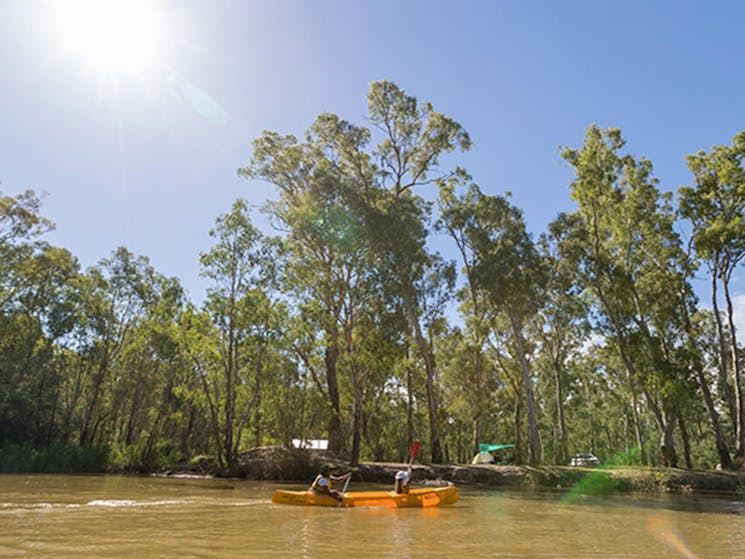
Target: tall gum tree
x=235 y=266
x=414 y=138
x=505 y=265
x=113 y=297
x=22 y=312
x=715 y=205
x=458 y=216
x=327 y=265
x=631 y=257
x=563 y=326
x=21 y=226
x=336 y=166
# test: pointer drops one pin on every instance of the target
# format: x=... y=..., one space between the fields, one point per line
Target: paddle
x=343 y=491
x=414 y=452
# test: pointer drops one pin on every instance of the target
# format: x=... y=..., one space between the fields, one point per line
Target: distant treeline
x=343 y=327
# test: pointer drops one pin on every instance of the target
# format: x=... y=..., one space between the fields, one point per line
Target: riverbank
x=283 y=464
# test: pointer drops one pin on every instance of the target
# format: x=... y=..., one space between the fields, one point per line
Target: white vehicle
x=586 y=459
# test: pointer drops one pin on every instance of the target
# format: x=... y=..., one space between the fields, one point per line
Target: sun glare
x=113 y=34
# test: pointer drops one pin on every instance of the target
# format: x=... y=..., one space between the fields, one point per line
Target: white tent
x=483 y=458
x=315 y=444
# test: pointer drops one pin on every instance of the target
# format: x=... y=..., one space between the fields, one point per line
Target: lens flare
x=662 y=529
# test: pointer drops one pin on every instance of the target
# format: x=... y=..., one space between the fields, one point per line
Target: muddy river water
x=114 y=516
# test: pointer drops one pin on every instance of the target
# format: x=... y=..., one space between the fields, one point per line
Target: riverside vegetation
x=586 y=338
x=286 y=464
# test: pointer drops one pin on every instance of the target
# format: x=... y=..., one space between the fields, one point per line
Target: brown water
x=85 y=517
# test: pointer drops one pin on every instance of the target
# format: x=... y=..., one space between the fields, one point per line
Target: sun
x=116 y=35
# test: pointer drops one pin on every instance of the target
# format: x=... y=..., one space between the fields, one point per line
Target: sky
x=135 y=133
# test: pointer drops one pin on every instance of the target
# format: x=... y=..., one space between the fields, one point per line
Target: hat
x=326 y=468
x=404 y=475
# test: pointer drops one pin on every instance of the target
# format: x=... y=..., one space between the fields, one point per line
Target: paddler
x=402 y=481
x=322 y=484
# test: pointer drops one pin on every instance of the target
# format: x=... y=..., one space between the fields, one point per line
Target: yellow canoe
x=425 y=497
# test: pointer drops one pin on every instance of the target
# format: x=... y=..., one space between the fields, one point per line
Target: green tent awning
x=492 y=447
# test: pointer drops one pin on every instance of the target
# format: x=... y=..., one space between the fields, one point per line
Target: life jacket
x=320 y=488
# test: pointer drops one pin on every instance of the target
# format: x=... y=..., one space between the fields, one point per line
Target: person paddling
x=322 y=484
x=402 y=481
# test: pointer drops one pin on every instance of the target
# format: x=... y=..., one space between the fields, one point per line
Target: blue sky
x=147 y=159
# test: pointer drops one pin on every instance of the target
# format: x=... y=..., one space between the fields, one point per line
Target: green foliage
x=340 y=327
x=58 y=458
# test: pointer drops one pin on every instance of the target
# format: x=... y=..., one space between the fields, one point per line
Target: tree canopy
x=344 y=323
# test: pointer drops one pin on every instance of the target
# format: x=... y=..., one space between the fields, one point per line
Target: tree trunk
x=214 y=414
x=356 y=419
x=686 y=442
x=635 y=420
x=722 y=361
x=563 y=439
x=86 y=433
x=534 y=442
x=229 y=411
x=628 y=365
x=716 y=427
x=336 y=440
x=476 y=433
x=739 y=417
x=433 y=409
x=409 y=407
x=478 y=371
x=518 y=426
x=258 y=419
x=667 y=443
x=425 y=351
x=133 y=431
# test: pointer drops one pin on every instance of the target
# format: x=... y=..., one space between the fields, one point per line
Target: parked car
x=585 y=459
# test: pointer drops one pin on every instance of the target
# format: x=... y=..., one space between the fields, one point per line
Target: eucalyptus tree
x=199 y=340
x=33 y=322
x=705 y=356
x=326 y=270
x=715 y=205
x=414 y=138
x=372 y=351
x=21 y=329
x=268 y=322
x=21 y=227
x=237 y=266
x=502 y=262
x=500 y=351
x=152 y=376
x=111 y=298
x=456 y=216
x=563 y=326
x=469 y=381
x=290 y=408
x=597 y=406
x=635 y=268
x=334 y=173
x=49 y=304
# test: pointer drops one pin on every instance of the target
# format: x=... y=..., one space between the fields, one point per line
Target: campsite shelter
x=494 y=454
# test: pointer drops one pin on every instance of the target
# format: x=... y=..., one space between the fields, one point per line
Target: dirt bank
x=286 y=464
